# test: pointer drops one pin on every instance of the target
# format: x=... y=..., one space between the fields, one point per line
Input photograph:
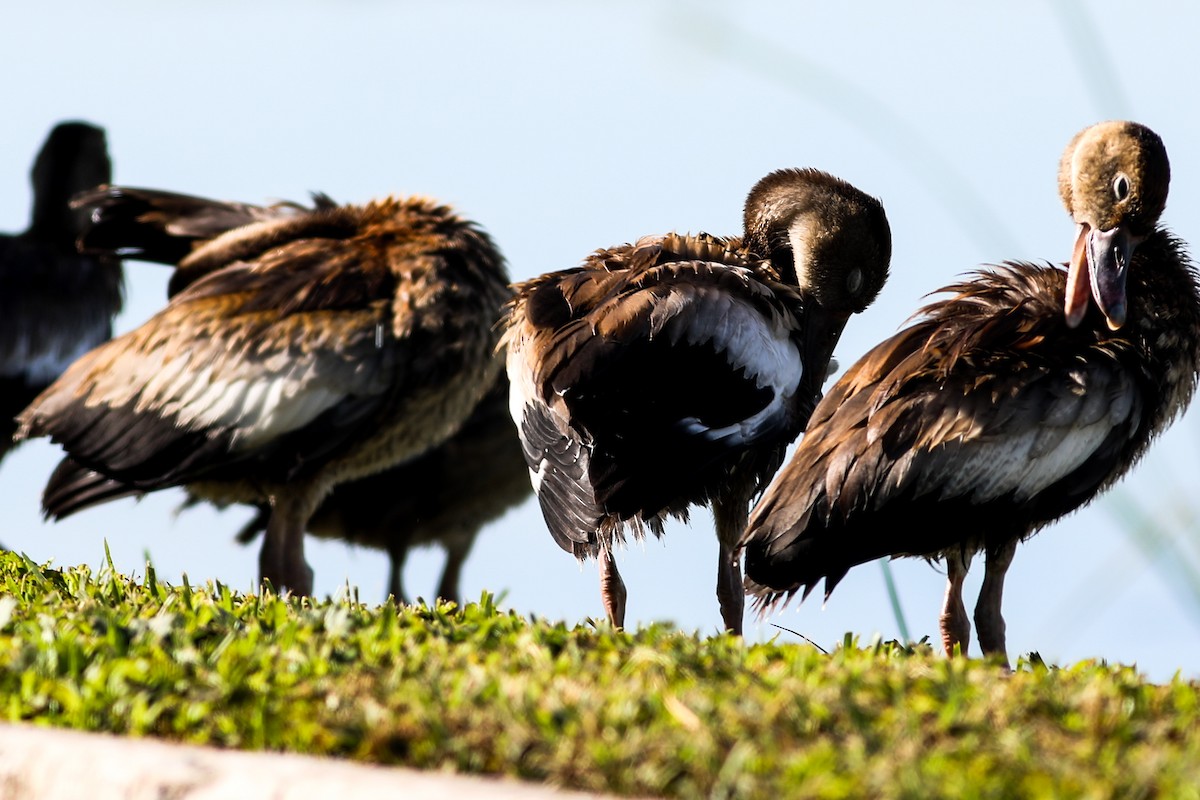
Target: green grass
x=652 y=712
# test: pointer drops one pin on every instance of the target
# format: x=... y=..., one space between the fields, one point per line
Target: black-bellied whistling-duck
x=676 y=371
x=444 y=497
x=1006 y=405
x=55 y=304
x=303 y=350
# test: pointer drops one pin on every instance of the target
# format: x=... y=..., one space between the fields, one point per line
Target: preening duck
x=1014 y=400
x=445 y=497
x=675 y=371
x=301 y=349
x=55 y=304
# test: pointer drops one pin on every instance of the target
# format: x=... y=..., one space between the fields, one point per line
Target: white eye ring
x=1121 y=186
x=854 y=281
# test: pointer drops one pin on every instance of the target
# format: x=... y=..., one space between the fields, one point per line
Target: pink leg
x=612 y=588
x=989 y=623
x=956 y=626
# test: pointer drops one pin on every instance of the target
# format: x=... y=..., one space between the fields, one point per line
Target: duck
x=1018 y=396
x=303 y=348
x=449 y=495
x=55 y=304
x=675 y=371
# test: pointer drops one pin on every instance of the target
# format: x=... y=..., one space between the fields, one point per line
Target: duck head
x=1113 y=180
x=73 y=158
x=825 y=237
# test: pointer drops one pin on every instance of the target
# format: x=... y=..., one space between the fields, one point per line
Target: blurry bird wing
x=294 y=353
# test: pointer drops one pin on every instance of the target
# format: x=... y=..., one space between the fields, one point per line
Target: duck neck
x=1164 y=286
x=1164 y=297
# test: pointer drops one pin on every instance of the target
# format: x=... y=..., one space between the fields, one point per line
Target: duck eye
x=1121 y=186
x=854 y=281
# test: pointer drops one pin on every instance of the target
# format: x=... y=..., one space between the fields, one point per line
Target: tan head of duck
x=1113 y=180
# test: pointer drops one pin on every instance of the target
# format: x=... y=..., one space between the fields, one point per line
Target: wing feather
x=232 y=370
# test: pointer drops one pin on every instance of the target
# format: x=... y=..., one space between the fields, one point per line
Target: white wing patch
x=521 y=394
x=521 y=390
x=997 y=467
x=760 y=345
x=1028 y=461
x=254 y=403
x=255 y=410
x=535 y=476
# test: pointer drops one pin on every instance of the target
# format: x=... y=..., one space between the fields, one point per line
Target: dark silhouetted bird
x=1013 y=401
x=299 y=350
x=676 y=371
x=55 y=304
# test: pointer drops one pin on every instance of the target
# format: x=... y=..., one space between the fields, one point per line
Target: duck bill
x=1099 y=268
x=821 y=334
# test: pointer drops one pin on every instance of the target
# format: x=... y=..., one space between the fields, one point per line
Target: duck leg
x=397 y=555
x=281 y=560
x=730 y=518
x=955 y=624
x=612 y=588
x=989 y=624
x=457 y=551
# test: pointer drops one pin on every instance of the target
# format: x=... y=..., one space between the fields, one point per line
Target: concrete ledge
x=50 y=764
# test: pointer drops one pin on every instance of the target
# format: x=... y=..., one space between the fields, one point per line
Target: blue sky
x=566 y=127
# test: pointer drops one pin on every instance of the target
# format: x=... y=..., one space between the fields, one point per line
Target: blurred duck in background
x=1013 y=401
x=302 y=347
x=444 y=497
x=676 y=371
x=55 y=304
